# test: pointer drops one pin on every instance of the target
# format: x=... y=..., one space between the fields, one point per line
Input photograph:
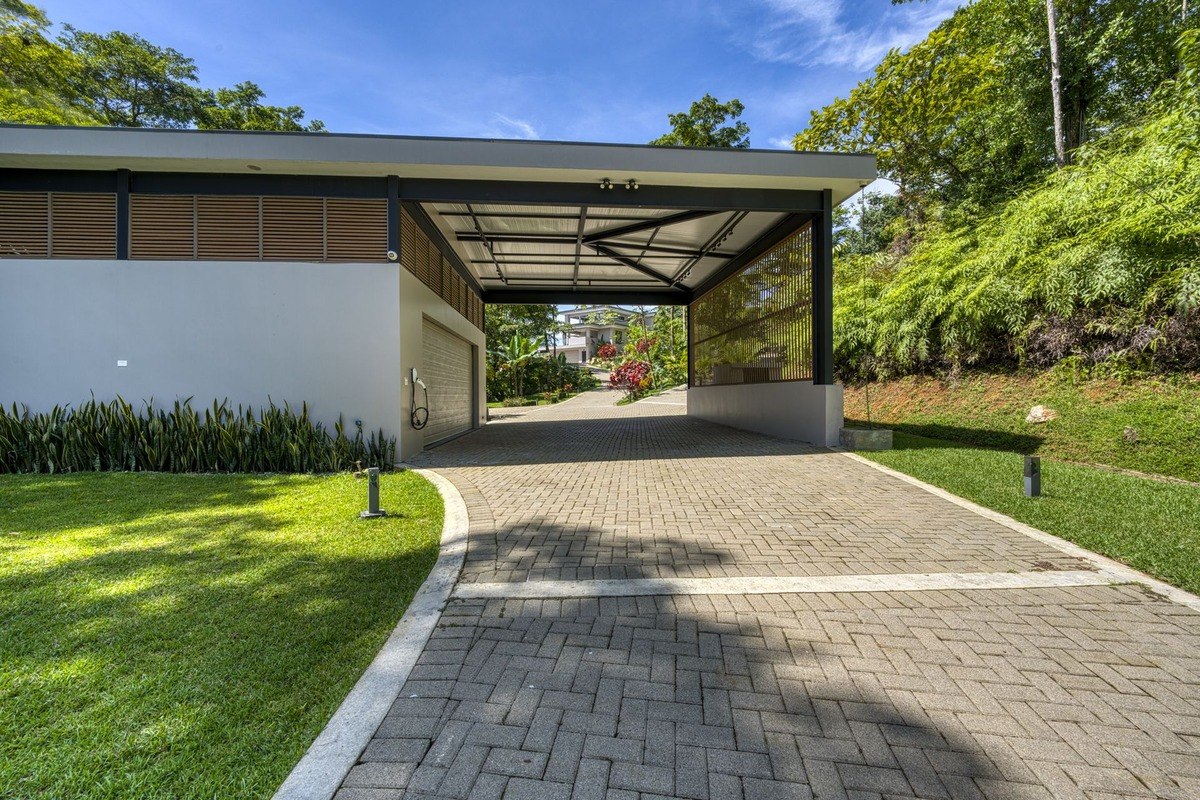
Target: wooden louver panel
x=24 y=224
x=423 y=259
x=408 y=243
x=429 y=262
x=83 y=225
x=227 y=228
x=473 y=309
x=293 y=229
x=356 y=230
x=162 y=226
x=460 y=293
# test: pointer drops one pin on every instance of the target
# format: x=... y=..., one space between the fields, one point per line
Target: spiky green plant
x=115 y=436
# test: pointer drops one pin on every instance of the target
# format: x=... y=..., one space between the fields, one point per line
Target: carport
x=332 y=270
x=743 y=238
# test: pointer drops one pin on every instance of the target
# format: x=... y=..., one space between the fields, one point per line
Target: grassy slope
x=187 y=636
x=1151 y=525
x=989 y=410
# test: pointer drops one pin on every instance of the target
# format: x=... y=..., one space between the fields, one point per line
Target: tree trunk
x=1060 y=142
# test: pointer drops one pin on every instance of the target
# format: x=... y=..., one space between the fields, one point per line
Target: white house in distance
x=352 y=273
x=588 y=327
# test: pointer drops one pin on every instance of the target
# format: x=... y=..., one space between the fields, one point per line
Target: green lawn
x=1150 y=424
x=187 y=636
x=1151 y=525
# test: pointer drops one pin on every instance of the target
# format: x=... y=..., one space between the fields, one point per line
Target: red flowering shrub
x=644 y=345
x=632 y=377
x=606 y=350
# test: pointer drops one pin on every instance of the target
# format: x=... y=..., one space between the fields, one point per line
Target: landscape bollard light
x=1033 y=476
x=373 y=509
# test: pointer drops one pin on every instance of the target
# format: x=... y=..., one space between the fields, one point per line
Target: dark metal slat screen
x=756 y=326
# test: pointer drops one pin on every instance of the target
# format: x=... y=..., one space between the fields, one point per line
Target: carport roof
x=523 y=217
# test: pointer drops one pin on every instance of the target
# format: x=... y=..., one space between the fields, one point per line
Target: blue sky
x=593 y=71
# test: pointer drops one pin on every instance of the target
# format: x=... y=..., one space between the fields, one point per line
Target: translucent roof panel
x=526 y=244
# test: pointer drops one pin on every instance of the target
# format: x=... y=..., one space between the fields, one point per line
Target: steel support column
x=122 y=214
x=691 y=367
x=822 y=292
x=393 y=214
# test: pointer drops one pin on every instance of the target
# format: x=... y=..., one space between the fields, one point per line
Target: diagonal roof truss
x=526 y=247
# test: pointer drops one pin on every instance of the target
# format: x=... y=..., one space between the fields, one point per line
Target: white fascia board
x=423 y=157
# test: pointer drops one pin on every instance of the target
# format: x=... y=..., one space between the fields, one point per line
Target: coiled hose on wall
x=420 y=414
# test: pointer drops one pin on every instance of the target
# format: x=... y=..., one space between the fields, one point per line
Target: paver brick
x=1090 y=692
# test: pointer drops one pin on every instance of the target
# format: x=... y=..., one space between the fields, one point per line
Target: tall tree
x=704 y=125
x=871 y=230
x=1061 y=157
x=119 y=79
x=503 y=322
x=34 y=70
x=126 y=81
x=966 y=115
x=241 y=108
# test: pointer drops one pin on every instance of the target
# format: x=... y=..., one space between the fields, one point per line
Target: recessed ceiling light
x=254 y=167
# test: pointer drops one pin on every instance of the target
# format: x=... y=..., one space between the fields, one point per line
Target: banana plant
x=515 y=354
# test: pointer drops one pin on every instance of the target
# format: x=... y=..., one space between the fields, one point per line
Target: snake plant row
x=117 y=436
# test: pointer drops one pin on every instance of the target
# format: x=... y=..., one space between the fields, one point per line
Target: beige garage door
x=447 y=371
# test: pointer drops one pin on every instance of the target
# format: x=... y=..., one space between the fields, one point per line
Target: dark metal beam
x=487 y=245
x=517 y=238
x=822 y=294
x=123 y=214
x=542 y=215
x=773 y=236
x=629 y=262
x=56 y=180
x=648 y=225
x=393 y=214
x=583 y=212
x=567 y=295
x=283 y=185
x=566 y=239
x=709 y=248
x=436 y=190
x=682 y=252
x=543 y=258
x=514 y=283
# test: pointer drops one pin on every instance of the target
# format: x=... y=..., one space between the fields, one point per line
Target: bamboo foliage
x=115 y=436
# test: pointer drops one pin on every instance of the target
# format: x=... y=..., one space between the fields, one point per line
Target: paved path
x=645 y=611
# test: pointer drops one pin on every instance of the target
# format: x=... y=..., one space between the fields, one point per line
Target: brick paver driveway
x=608 y=639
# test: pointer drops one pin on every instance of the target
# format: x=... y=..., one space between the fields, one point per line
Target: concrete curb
x=320 y=772
x=1119 y=572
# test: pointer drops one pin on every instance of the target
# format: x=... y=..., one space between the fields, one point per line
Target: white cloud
x=822 y=32
x=782 y=142
x=509 y=126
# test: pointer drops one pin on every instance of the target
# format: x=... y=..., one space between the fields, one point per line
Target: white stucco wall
x=327 y=334
x=418 y=302
x=791 y=409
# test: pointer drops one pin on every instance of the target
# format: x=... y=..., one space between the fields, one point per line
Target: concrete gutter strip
x=1118 y=572
x=321 y=771
x=915 y=582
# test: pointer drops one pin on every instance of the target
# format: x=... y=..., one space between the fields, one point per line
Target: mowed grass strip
x=1151 y=525
x=187 y=636
x=1149 y=424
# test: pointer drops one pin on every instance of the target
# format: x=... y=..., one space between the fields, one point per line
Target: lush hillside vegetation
x=996 y=252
